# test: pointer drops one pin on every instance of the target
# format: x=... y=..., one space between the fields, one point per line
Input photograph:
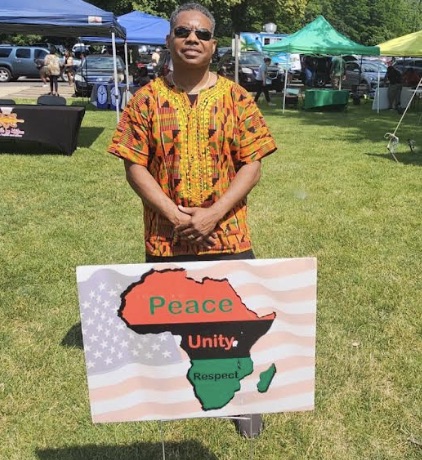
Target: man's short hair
x=267 y=59
x=191 y=7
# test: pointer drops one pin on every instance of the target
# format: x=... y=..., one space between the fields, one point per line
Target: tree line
x=368 y=22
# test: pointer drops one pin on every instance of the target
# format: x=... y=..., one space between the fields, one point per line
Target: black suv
x=249 y=63
x=97 y=69
x=19 y=61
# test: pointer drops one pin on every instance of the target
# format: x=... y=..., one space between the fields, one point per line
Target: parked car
x=220 y=52
x=55 y=48
x=164 y=65
x=404 y=64
x=365 y=73
x=97 y=68
x=19 y=61
x=249 y=63
x=144 y=59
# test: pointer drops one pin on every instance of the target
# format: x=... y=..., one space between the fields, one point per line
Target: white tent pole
x=116 y=83
x=127 y=90
x=127 y=66
x=236 y=58
x=286 y=73
x=341 y=76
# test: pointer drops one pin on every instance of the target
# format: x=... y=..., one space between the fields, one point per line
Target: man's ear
x=214 y=45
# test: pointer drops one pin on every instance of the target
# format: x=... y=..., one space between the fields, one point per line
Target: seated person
x=410 y=77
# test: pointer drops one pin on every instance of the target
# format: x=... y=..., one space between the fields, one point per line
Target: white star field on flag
x=108 y=342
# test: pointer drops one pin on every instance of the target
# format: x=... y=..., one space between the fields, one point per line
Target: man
x=337 y=71
x=309 y=65
x=394 y=80
x=261 y=81
x=192 y=144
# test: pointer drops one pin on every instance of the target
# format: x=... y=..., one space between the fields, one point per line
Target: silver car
x=365 y=73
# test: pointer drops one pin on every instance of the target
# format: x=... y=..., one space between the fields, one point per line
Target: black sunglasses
x=184 y=32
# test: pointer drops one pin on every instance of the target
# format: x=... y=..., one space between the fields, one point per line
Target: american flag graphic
x=135 y=376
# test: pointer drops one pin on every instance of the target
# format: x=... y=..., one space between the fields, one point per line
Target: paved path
x=33 y=90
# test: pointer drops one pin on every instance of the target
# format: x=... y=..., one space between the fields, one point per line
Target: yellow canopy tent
x=406 y=45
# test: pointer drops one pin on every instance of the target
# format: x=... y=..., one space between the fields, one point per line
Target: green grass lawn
x=331 y=191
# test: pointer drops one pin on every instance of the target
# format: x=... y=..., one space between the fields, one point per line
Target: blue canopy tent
x=145 y=29
x=141 y=29
x=63 y=18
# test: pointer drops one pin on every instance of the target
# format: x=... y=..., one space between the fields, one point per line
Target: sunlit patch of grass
x=331 y=191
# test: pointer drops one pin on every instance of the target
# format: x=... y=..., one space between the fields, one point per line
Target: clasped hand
x=197 y=225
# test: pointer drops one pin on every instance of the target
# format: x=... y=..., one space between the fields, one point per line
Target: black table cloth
x=57 y=126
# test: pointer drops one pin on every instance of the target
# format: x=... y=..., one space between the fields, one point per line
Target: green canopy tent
x=319 y=37
x=406 y=45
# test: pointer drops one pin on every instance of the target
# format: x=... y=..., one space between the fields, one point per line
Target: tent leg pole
x=116 y=83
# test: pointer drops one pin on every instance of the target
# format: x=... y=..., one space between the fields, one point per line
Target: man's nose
x=194 y=38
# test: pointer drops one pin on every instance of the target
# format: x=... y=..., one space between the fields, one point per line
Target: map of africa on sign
x=167 y=341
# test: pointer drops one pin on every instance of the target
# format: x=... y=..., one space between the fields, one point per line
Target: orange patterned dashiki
x=193 y=151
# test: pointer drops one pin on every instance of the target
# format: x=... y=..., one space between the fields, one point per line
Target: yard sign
x=199 y=339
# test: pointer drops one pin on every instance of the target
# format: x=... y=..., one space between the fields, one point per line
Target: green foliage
x=369 y=21
x=20 y=39
x=366 y=21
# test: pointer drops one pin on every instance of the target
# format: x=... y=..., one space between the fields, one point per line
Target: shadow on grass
x=73 y=338
x=402 y=157
x=90 y=107
x=188 y=450
x=85 y=103
x=28 y=148
x=88 y=135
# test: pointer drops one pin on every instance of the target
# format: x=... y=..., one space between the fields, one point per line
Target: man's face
x=191 y=51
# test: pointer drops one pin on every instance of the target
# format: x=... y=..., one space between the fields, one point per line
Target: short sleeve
x=256 y=141
x=131 y=138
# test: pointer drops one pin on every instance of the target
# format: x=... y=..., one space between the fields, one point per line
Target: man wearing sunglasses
x=192 y=143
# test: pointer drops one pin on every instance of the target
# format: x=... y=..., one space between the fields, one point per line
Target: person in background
x=261 y=81
x=43 y=71
x=82 y=58
x=410 y=77
x=309 y=70
x=155 y=56
x=68 y=66
x=337 y=71
x=394 y=80
x=52 y=63
x=192 y=144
